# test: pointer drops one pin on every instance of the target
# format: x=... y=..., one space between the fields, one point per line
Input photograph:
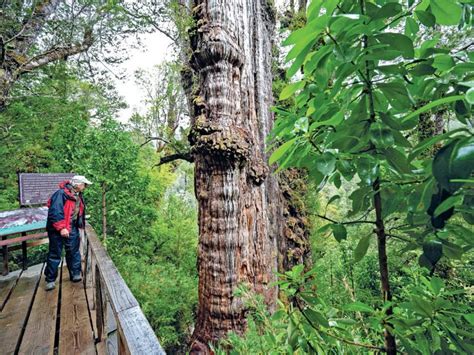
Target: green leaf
x=470 y=318
x=436 y=284
x=452 y=250
x=367 y=169
x=358 y=307
x=398 y=160
x=316 y=317
x=330 y=5
x=433 y=251
x=447 y=204
x=397 y=94
x=380 y=135
x=389 y=121
x=470 y=96
x=422 y=306
x=388 y=10
x=454 y=161
x=307 y=33
x=443 y=62
x=332 y=199
x=299 y=60
x=325 y=163
x=302 y=124
x=362 y=247
x=360 y=199
x=399 y=42
x=426 y=18
x=339 y=232
x=291 y=89
x=447 y=12
x=392 y=69
x=315 y=57
x=277 y=154
x=324 y=229
x=422 y=69
x=411 y=27
x=430 y=105
x=333 y=121
x=430 y=142
x=303 y=45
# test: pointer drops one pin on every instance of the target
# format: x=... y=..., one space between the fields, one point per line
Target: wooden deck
x=96 y=316
x=33 y=321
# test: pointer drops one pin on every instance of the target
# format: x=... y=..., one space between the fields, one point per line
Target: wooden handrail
x=6 y=246
x=119 y=324
x=22 y=239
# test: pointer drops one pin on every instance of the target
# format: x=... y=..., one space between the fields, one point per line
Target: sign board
x=36 y=189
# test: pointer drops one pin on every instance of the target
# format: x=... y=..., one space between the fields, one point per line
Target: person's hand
x=64 y=233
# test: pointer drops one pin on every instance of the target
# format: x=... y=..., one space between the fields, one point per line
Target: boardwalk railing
x=119 y=324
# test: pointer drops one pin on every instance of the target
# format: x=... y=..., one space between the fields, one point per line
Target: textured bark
x=240 y=203
x=294 y=246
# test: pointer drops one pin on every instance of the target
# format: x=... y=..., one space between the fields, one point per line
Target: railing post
x=5 y=257
x=98 y=305
x=24 y=253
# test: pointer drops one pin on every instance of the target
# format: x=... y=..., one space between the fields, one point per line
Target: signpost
x=35 y=190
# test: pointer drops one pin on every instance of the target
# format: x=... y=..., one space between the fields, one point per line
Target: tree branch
x=56 y=54
x=40 y=12
x=170 y=158
x=149 y=139
x=349 y=222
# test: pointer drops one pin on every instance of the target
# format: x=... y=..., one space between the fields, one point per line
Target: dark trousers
x=73 y=256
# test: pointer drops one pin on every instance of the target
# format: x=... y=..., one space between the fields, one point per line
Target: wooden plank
x=40 y=330
x=75 y=335
x=14 y=314
x=89 y=286
x=6 y=285
x=22 y=239
x=30 y=244
x=137 y=333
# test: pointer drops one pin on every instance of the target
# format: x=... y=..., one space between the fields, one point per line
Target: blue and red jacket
x=61 y=208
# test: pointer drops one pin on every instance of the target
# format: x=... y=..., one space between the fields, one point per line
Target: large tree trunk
x=240 y=203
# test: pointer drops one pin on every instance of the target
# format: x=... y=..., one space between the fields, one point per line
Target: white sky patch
x=156 y=48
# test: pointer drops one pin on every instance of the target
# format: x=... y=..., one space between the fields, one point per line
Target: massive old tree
x=240 y=203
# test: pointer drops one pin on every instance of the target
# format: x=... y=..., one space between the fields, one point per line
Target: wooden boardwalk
x=33 y=321
x=99 y=315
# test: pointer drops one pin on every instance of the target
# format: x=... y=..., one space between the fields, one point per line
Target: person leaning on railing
x=66 y=215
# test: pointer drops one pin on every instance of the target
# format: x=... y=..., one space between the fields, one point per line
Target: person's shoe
x=76 y=278
x=50 y=286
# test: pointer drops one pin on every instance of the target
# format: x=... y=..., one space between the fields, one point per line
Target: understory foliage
x=379 y=113
x=69 y=126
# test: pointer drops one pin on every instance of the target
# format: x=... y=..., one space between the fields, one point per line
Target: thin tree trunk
x=104 y=214
x=240 y=217
x=390 y=344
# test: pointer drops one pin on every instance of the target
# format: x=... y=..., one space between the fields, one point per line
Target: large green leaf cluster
x=338 y=130
x=364 y=77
